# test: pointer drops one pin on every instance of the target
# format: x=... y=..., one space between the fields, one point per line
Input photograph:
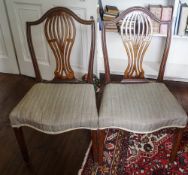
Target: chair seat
x=56 y=108
x=140 y=108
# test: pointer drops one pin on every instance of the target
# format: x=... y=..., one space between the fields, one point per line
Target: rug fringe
x=85 y=159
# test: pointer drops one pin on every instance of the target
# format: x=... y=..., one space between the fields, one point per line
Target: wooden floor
x=50 y=155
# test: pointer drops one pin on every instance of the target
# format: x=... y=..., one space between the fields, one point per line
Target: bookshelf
x=180 y=37
x=177 y=64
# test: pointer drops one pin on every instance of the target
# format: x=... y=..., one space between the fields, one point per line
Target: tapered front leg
x=21 y=142
x=101 y=139
x=94 y=145
x=176 y=143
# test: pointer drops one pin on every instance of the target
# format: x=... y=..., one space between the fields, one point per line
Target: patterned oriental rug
x=147 y=154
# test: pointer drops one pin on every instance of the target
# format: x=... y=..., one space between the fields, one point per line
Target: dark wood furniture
x=60 y=32
x=136 y=33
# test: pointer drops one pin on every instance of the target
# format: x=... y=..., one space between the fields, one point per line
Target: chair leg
x=21 y=142
x=94 y=146
x=176 y=143
x=101 y=139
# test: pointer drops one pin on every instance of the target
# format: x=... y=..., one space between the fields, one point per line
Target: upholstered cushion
x=140 y=108
x=55 y=108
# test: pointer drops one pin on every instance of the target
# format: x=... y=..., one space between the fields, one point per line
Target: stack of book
x=163 y=13
x=181 y=20
x=110 y=13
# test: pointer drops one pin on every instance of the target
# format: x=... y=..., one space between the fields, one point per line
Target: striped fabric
x=56 y=108
x=140 y=108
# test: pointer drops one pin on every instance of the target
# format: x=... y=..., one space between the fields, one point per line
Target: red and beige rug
x=147 y=154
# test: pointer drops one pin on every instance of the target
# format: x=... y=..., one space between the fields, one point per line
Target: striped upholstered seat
x=140 y=108
x=56 y=108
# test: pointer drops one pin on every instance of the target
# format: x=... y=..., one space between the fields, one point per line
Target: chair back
x=60 y=33
x=135 y=28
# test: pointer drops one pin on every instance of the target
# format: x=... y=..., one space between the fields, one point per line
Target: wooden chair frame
x=49 y=14
x=179 y=131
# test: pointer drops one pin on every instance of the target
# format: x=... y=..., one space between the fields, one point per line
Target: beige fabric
x=140 y=108
x=54 y=108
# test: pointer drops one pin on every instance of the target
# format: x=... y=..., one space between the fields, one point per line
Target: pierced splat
x=136 y=33
x=60 y=33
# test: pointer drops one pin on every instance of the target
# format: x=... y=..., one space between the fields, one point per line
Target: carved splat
x=60 y=33
x=136 y=32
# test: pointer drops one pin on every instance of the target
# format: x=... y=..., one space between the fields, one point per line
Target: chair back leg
x=176 y=143
x=21 y=142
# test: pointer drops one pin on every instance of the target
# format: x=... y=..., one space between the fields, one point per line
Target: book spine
x=183 y=20
x=180 y=16
x=177 y=19
x=101 y=11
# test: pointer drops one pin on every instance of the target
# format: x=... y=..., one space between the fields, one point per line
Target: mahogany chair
x=64 y=103
x=136 y=104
